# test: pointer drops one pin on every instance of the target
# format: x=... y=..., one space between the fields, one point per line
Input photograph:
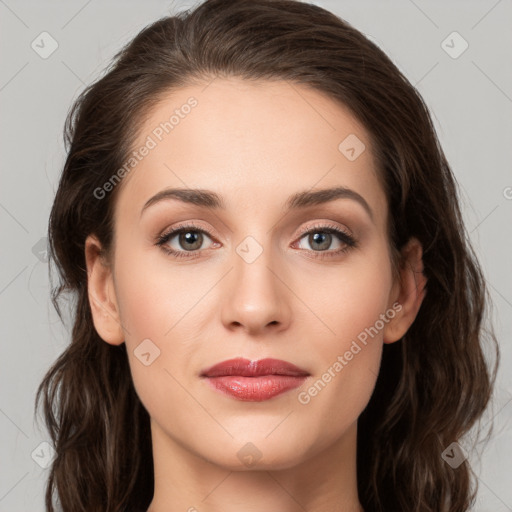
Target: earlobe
x=101 y=293
x=408 y=292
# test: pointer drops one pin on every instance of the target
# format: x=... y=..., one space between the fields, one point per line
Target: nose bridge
x=256 y=297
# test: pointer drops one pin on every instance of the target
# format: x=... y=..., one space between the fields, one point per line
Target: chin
x=260 y=454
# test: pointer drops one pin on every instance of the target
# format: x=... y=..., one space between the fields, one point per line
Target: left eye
x=320 y=239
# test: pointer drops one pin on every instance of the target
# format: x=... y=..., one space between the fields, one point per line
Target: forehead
x=253 y=142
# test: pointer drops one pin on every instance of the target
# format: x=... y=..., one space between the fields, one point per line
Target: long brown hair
x=434 y=384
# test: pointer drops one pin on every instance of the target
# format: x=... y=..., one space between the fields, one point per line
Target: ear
x=408 y=291
x=101 y=292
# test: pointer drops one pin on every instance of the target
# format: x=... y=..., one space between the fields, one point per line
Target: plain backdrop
x=465 y=79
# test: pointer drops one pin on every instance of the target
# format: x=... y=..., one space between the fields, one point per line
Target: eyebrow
x=212 y=201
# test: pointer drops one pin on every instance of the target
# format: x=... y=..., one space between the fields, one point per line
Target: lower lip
x=255 y=389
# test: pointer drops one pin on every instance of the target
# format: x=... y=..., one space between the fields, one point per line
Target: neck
x=185 y=481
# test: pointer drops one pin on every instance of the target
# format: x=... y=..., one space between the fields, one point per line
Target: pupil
x=322 y=237
x=191 y=238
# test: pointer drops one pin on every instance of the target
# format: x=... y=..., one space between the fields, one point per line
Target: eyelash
x=349 y=241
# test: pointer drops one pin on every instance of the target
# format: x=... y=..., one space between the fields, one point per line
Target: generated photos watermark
x=152 y=141
x=305 y=397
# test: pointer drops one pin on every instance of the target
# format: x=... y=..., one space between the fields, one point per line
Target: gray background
x=471 y=100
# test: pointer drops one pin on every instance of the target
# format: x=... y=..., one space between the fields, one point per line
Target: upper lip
x=246 y=368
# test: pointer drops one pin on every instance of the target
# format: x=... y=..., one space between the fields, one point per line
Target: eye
x=189 y=239
x=321 y=237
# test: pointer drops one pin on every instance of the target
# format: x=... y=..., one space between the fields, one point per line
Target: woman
x=219 y=359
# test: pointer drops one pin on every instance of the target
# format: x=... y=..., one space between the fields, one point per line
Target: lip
x=254 y=381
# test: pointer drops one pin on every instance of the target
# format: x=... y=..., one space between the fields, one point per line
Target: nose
x=257 y=299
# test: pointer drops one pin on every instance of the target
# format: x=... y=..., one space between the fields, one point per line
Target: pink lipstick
x=254 y=381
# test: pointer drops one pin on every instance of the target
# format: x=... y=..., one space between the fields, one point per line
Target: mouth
x=254 y=381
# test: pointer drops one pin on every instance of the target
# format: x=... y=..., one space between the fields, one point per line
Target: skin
x=255 y=144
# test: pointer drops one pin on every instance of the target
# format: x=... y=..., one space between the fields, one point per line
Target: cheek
x=158 y=314
x=352 y=302
x=153 y=297
x=355 y=308
x=155 y=348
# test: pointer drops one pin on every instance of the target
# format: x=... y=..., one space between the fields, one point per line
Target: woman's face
x=248 y=281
